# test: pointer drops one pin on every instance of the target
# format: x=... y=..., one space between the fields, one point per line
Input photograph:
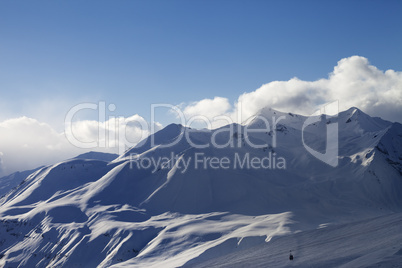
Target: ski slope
x=375 y=242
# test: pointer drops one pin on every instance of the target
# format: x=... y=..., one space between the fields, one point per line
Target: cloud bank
x=26 y=143
x=353 y=82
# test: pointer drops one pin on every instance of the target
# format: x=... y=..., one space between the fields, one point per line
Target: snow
x=374 y=242
x=13 y=180
x=97 y=156
x=90 y=211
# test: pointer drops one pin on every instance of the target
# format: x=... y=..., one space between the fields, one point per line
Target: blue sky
x=54 y=54
x=205 y=56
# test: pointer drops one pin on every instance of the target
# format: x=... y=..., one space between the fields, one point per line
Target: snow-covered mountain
x=97 y=156
x=9 y=182
x=190 y=197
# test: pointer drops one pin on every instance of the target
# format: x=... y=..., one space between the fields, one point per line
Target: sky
x=204 y=56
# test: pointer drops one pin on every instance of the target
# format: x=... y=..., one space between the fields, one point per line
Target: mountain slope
x=184 y=193
x=370 y=243
x=97 y=156
x=9 y=182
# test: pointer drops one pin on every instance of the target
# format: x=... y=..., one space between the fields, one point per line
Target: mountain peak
x=353 y=109
x=168 y=133
x=97 y=156
x=360 y=120
x=273 y=117
x=269 y=111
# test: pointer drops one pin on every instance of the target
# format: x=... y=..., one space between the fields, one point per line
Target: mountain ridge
x=132 y=211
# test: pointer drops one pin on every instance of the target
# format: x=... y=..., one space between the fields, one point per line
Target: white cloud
x=26 y=143
x=114 y=135
x=199 y=114
x=353 y=82
x=208 y=107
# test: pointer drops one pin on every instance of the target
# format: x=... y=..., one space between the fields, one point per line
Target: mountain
x=9 y=182
x=188 y=197
x=97 y=156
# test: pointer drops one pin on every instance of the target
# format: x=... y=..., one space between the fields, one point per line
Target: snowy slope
x=7 y=183
x=89 y=213
x=374 y=242
x=97 y=156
